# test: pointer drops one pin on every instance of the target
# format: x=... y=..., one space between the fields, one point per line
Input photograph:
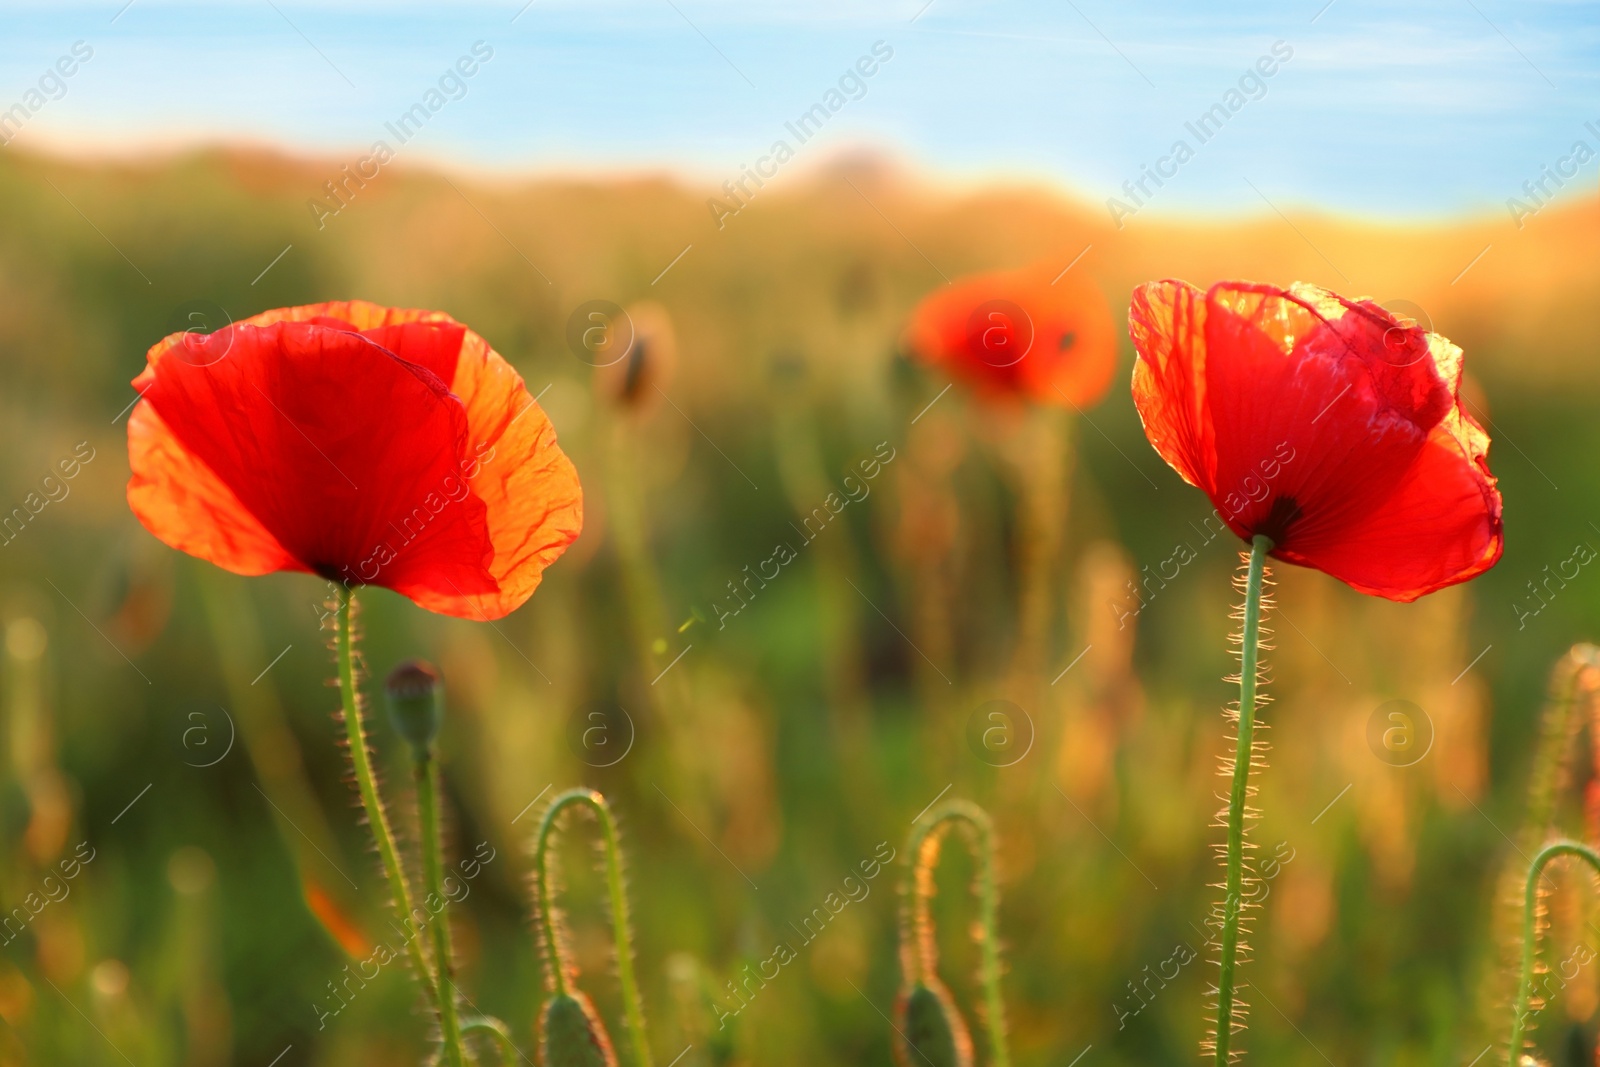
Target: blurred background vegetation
x=175 y=720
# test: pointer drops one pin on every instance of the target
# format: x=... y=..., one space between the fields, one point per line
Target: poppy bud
x=573 y=1035
x=414 y=705
x=932 y=1032
x=633 y=381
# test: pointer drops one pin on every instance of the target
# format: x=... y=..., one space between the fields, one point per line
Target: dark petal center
x=1283 y=514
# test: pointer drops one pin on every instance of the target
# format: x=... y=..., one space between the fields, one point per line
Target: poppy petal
x=471 y=497
x=1020 y=334
x=1439 y=525
x=1167 y=322
x=1079 y=338
x=434 y=345
x=1324 y=423
x=531 y=490
x=357 y=315
x=183 y=502
x=429 y=339
x=1310 y=376
x=346 y=454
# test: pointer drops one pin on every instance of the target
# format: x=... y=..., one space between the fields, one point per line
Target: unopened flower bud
x=573 y=1035
x=633 y=382
x=414 y=704
x=932 y=1032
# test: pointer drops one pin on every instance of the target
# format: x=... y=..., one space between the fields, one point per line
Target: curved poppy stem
x=427 y=775
x=1238 y=795
x=371 y=802
x=1530 y=940
x=563 y=970
x=488 y=1024
x=918 y=947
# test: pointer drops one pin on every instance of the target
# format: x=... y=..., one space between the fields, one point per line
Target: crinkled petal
x=1440 y=523
x=183 y=502
x=349 y=457
x=1167 y=321
x=471 y=496
x=529 y=486
x=1323 y=423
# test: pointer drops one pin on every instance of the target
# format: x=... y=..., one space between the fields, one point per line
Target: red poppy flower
x=1025 y=334
x=1326 y=424
x=370 y=445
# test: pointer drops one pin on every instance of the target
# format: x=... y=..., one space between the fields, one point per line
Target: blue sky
x=1432 y=108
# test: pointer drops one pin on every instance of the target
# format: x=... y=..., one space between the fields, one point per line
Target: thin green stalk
x=1569 y=704
x=355 y=733
x=641 y=579
x=563 y=970
x=1552 y=763
x=427 y=774
x=1244 y=753
x=473 y=1024
x=1530 y=946
x=1040 y=470
x=918 y=946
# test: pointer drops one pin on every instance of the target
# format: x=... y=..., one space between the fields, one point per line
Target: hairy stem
x=563 y=970
x=367 y=784
x=1572 y=699
x=1238 y=796
x=427 y=775
x=919 y=950
x=1572 y=685
x=488 y=1024
x=1530 y=940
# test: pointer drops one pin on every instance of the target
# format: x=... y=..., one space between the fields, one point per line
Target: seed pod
x=573 y=1035
x=932 y=1032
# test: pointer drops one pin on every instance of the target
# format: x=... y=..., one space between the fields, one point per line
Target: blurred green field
x=775 y=752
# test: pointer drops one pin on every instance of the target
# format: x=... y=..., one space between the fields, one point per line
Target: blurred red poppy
x=1025 y=334
x=370 y=445
x=1326 y=424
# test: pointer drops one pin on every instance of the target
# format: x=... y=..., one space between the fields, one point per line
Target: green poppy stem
x=488 y=1024
x=918 y=947
x=367 y=785
x=562 y=970
x=1238 y=796
x=1530 y=939
x=427 y=775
